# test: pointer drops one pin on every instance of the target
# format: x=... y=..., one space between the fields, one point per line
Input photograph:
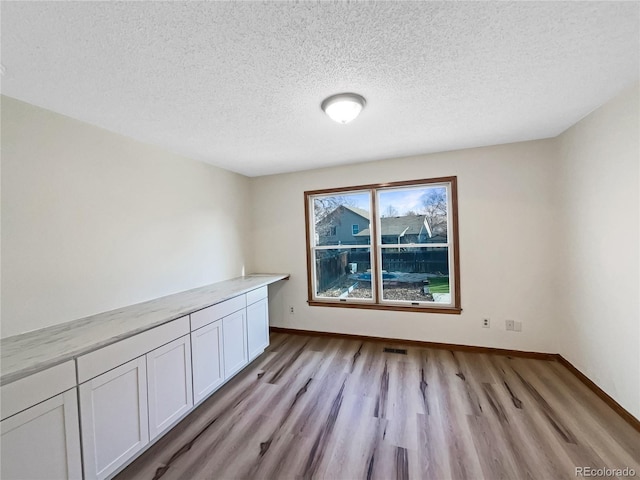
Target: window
x=400 y=254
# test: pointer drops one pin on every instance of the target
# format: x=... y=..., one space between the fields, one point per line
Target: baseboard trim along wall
x=419 y=343
x=619 y=409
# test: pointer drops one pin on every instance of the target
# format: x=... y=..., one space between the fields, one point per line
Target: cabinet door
x=257 y=327
x=208 y=360
x=234 y=334
x=43 y=442
x=169 y=384
x=113 y=413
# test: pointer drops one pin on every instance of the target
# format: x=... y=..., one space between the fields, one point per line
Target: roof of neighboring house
x=395 y=226
x=358 y=211
x=337 y=211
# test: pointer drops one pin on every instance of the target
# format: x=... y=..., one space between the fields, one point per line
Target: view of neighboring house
x=351 y=226
x=343 y=227
x=409 y=229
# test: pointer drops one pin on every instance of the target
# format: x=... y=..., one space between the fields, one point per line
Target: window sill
x=377 y=306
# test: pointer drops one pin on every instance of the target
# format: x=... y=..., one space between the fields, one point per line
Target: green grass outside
x=439 y=284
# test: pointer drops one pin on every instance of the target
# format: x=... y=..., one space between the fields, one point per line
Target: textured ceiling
x=239 y=85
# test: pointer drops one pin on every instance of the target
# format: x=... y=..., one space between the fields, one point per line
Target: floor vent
x=401 y=351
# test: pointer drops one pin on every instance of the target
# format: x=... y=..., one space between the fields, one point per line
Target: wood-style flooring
x=334 y=408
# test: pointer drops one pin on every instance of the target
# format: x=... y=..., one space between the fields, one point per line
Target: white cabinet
x=28 y=391
x=104 y=359
x=170 y=392
x=114 y=418
x=90 y=416
x=216 y=312
x=258 y=294
x=43 y=442
x=257 y=327
x=208 y=360
x=234 y=334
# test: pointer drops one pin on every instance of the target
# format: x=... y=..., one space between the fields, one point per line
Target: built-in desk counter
x=28 y=353
x=111 y=384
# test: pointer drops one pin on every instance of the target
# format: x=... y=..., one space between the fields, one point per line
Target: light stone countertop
x=32 y=352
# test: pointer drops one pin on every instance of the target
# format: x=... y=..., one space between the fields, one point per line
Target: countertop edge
x=11 y=377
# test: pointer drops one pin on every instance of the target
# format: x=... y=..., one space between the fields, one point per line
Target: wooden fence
x=330 y=268
x=409 y=262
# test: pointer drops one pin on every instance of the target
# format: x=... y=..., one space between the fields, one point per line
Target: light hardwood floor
x=321 y=407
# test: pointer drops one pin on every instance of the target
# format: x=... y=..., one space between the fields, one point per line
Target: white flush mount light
x=343 y=107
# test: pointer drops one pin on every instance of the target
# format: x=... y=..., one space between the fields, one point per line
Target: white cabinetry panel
x=98 y=362
x=257 y=327
x=114 y=419
x=258 y=294
x=28 y=391
x=43 y=442
x=208 y=360
x=170 y=391
x=130 y=391
x=216 y=312
x=234 y=333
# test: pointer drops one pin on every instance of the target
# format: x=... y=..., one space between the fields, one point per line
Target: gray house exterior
x=351 y=226
x=406 y=229
x=343 y=226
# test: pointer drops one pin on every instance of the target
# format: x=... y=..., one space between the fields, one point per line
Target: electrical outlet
x=510 y=325
x=517 y=326
x=486 y=322
x=291 y=310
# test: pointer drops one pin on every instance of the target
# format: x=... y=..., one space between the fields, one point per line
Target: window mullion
x=375 y=264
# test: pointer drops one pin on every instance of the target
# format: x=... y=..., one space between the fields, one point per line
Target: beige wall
x=599 y=309
x=93 y=221
x=549 y=235
x=507 y=246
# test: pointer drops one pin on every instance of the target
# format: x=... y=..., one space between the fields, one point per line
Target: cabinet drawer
x=103 y=360
x=217 y=311
x=28 y=391
x=256 y=295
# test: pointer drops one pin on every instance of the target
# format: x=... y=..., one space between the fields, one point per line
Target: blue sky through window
x=402 y=200
x=406 y=200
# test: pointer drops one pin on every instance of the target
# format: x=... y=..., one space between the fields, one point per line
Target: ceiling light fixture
x=343 y=107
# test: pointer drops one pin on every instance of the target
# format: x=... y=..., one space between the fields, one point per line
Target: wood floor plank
x=355 y=434
x=608 y=420
x=434 y=460
x=491 y=449
x=336 y=408
x=563 y=398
